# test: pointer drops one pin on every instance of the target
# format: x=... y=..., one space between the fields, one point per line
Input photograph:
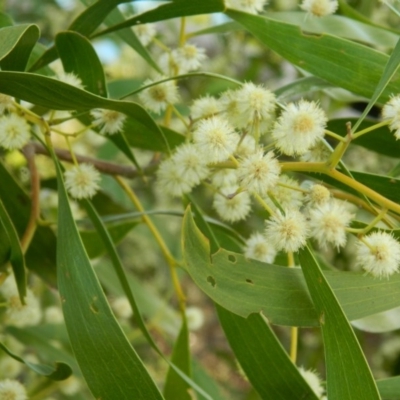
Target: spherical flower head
x=190 y=164
x=328 y=223
x=256 y=103
x=391 y=111
x=259 y=173
x=204 y=107
x=53 y=315
x=156 y=98
x=170 y=179
x=195 y=318
x=246 y=147
x=258 y=248
x=70 y=386
x=224 y=178
x=249 y=6
x=299 y=127
x=287 y=193
x=287 y=231
x=320 y=8
x=378 y=254
x=6 y=103
x=145 y=33
x=21 y=315
x=215 y=139
x=189 y=57
x=82 y=181
x=11 y=389
x=122 y=307
x=232 y=207
x=111 y=121
x=313 y=381
x=229 y=102
x=14 y=132
x=317 y=153
x=318 y=195
x=71 y=79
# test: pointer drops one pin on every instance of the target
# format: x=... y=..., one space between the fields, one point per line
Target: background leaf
x=16 y=44
x=175 y=387
x=262 y=357
x=348 y=374
x=109 y=364
x=16 y=257
x=58 y=372
x=225 y=274
x=340 y=62
x=78 y=56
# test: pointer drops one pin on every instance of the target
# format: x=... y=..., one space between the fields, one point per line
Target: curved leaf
x=85 y=23
x=56 y=95
x=173 y=9
x=16 y=257
x=78 y=56
x=16 y=44
x=279 y=292
x=338 y=25
x=175 y=387
x=348 y=374
x=262 y=357
x=111 y=367
x=59 y=372
x=340 y=62
x=389 y=388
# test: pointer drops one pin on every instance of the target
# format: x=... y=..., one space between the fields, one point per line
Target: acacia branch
x=105 y=167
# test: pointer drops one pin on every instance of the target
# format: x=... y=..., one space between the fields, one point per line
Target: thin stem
x=298 y=189
x=182 y=34
x=294 y=331
x=180 y=116
x=29 y=153
x=365 y=230
x=103 y=166
x=359 y=187
x=164 y=249
x=74 y=160
x=263 y=204
x=168 y=115
x=335 y=135
x=370 y=129
x=341 y=148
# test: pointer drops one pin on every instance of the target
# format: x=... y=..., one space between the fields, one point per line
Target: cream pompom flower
x=215 y=139
x=249 y=6
x=320 y=8
x=313 y=381
x=258 y=248
x=391 y=111
x=287 y=231
x=318 y=195
x=6 y=103
x=299 y=127
x=255 y=103
x=11 y=389
x=14 y=132
x=111 y=121
x=232 y=208
x=190 y=164
x=259 y=173
x=71 y=79
x=145 y=33
x=157 y=97
x=82 y=181
x=204 y=107
x=170 y=179
x=378 y=254
x=188 y=57
x=328 y=223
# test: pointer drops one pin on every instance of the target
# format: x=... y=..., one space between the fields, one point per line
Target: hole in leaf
x=232 y=258
x=211 y=281
x=250 y=281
